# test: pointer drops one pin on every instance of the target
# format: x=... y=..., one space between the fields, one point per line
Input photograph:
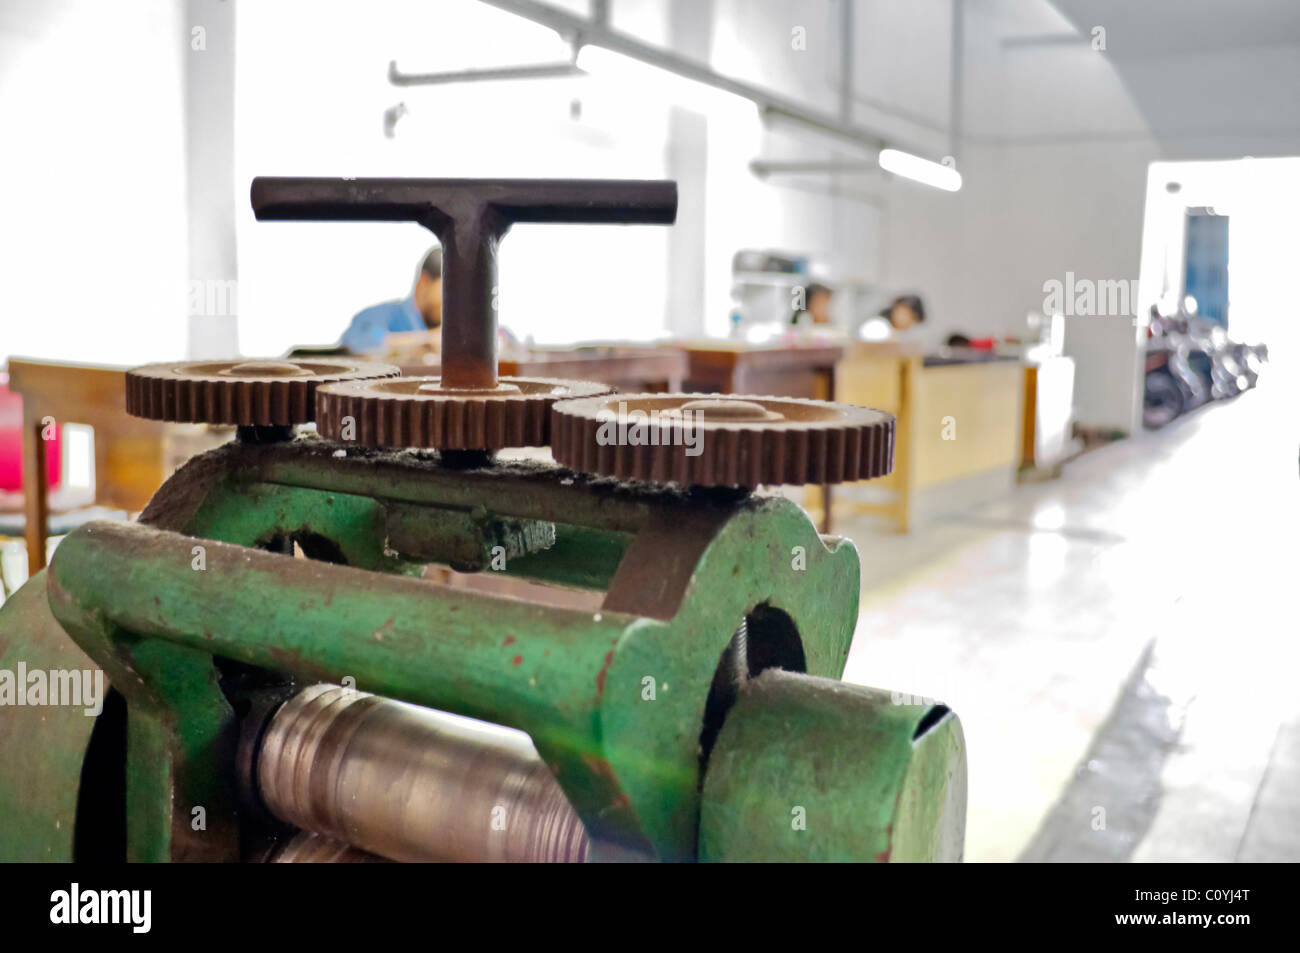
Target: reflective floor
x=1119 y=643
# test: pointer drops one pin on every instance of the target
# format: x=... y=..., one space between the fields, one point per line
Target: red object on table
x=11 y=443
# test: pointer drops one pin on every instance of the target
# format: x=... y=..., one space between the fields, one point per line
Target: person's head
x=817 y=302
x=428 y=289
x=904 y=311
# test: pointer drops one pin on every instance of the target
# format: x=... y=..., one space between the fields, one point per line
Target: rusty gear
x=267 y=393
x=422 y=412
x=741 y=441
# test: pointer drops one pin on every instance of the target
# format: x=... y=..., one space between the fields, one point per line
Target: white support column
x=212 y=296
x=690 y=30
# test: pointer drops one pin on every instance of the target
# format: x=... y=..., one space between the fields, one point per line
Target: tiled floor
x=1122 y=639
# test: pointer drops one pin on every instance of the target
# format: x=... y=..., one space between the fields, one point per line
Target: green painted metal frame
x=42 y=749
x=678 y=573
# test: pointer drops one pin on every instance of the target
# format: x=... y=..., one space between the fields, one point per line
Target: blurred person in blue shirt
x=421 y=310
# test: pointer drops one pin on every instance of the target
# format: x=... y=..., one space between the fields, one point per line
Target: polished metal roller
x=308 y=848
x=411 y=784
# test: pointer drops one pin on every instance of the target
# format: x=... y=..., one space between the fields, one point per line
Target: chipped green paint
x=861 y=779
x=41 y=749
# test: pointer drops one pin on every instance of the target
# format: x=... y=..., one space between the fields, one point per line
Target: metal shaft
x=410 y=783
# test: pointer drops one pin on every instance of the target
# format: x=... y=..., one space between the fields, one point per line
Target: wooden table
x=627 y=368
x=129 y=452
x=957 y=431
x=624 y=367
x=725 y=367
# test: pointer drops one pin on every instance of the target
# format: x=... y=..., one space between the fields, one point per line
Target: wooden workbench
x=725 y=367
x=628 y=368
x=129 y=452
x=624 y=367
x=958 y=428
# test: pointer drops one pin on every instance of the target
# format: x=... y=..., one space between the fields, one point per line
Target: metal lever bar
x=470 y=217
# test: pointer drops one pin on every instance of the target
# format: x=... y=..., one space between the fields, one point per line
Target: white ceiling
x=1213 y=78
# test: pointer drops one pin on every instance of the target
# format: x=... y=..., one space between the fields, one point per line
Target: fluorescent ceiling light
x=639 y=77
x=920 y=170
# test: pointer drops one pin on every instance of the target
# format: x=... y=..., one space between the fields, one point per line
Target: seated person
x=816 y=308
x=421 y=310
x=900 y=321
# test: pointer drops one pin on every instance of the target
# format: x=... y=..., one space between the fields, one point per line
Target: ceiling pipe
x=581 y=30
x=526 y=71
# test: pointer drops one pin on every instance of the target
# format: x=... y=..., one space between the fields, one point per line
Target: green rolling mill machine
x=396 y=637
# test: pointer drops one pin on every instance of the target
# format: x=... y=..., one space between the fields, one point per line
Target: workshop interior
x=649 y=430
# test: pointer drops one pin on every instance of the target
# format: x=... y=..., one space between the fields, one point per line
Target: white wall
x=1054 y=161
x=1054 y=167
x=92 y=207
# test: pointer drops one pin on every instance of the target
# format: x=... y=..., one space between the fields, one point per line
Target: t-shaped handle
x=469 y=216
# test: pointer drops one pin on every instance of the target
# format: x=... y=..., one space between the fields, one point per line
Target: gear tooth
x=530 y=428
x=776 y=448
x=730 y=457
x=818 y=456
x=580 y=452
x=836 y=444
x=750 y=463
x=557 y=435
x=591 y=456
x=702 y=466
x=853 y=452
x=798 y=460
x=322 y=417
x=501 y=421
x=572 y=445
x=300 y=397
x=395 y=422
x=453 y=421
x=418 y=415
x=681 y=471
x=237 y=403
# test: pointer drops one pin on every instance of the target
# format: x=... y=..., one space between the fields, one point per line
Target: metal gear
x=423 y=412
x=716 y=440
x=257 y=393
